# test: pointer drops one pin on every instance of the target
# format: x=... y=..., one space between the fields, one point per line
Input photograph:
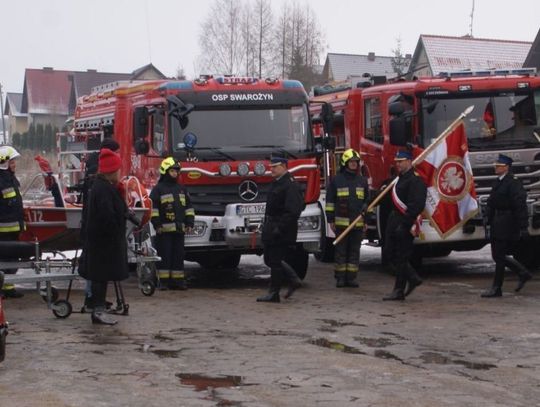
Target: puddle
x=437 y=358
x=383 y=354
x=163 y=338
x=374 y=342
x=339 y=324
x=474 y=365
x=202 y=382
x=325 y=343
x=433 y=357
x=166 y=353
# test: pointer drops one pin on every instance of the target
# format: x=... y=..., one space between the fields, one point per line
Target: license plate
x=251 y=209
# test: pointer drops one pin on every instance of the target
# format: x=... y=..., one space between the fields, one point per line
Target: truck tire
x=220 y=261
x=527 y=253
x=326 y=253
x=298 y=259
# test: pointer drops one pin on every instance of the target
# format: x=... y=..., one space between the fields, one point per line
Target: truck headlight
x=198 y=229
x=308 y=223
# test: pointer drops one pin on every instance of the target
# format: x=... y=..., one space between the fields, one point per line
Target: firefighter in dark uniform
x=11 y=207
x=346 y=198
x=409 y=199
x=507 y=218
x=284 y=204
x=172 y=217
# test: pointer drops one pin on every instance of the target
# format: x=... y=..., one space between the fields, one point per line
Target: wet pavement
x=213 y=345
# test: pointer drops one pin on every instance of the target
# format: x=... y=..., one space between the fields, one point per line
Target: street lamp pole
x=2 y=114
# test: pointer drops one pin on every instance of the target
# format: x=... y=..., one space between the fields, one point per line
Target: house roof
x=136 y=74
x=461 y=53
x=46 y=91
x=83 y=82
x=13 y=104
x=533 y=58
x=342 y=66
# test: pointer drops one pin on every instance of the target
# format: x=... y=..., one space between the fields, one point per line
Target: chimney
x=371 y=56
x=48 y=68
x=91 y=70
x=408 y=56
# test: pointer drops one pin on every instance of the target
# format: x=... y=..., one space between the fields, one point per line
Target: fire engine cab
x=223 y=130
x=379 y=119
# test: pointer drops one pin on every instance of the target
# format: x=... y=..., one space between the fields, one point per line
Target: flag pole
x=417 y=160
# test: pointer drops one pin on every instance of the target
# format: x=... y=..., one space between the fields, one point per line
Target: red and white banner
x=446 y=170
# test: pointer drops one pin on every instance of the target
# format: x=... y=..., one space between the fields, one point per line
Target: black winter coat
x=412 y=191
x=105 y=248
x=507 y=208
x=11 y=205
x=284 y=204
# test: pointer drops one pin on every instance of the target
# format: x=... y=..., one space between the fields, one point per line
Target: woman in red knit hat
x=106 y=248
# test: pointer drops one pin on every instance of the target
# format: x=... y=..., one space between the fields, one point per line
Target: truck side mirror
x=327 y=117
x=398 y=131
x=140 y=123
x=396 y=109
x=329 y=143
x=142 y=146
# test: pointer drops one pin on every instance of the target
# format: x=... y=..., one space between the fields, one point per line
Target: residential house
x=16 y=120
x=436 y=53
x=533 y=58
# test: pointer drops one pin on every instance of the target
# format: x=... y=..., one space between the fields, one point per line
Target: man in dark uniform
x=346 y=198
x=507 y=218
x=283 y=207
x=409 y=199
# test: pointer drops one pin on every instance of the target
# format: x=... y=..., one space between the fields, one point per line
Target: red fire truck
x=223 y=130
x=505 y=119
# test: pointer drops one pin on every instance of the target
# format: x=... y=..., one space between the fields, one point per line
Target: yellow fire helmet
x=348 y=155
x=7 y=153
x=167 y=164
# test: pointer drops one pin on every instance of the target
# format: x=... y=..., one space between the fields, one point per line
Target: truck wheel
x=527 y=253
x=220 y=261
x=298 y=259
x=326 y=253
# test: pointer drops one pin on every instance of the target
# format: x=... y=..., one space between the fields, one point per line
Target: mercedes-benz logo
x=248 y=190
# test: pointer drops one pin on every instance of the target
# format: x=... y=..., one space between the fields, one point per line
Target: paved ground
x=215 y=346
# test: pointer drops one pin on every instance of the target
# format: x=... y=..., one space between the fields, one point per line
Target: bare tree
x=399 y=62
x=248 y=41
x=220 y=38
x=180 y=73
x=263 y=32
x=282 y=37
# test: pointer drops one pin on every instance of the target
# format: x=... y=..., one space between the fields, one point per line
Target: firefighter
x=172 y=217
x=507 y=218
x=409 y=199
x=11 y=207
x=346 y=198
x=283 y=207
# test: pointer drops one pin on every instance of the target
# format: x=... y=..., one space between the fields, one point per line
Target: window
x=373 y=120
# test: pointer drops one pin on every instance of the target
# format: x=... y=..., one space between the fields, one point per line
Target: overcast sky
x=122 y=35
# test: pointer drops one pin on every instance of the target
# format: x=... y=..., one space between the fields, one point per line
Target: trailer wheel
x=62 y=309
x=54 y=294
x=3 y=334
x=148 y=288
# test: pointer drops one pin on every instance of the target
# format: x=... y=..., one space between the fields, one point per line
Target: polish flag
x=446 y=171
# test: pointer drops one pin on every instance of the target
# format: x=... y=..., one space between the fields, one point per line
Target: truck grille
x=211 y=200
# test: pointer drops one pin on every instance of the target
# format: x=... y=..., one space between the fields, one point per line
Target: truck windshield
x=237 y=133
x=498 y=122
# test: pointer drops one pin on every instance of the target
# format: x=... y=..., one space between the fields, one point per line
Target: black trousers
x=9 y=237
x=399 y=249
x=170 y=247
x=274 y=255
x=99 y=294
x=500 y=251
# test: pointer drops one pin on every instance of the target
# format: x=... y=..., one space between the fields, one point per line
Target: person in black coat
x=508 y=220
x=106 y=245
x=284 y=205
x=409 y=199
